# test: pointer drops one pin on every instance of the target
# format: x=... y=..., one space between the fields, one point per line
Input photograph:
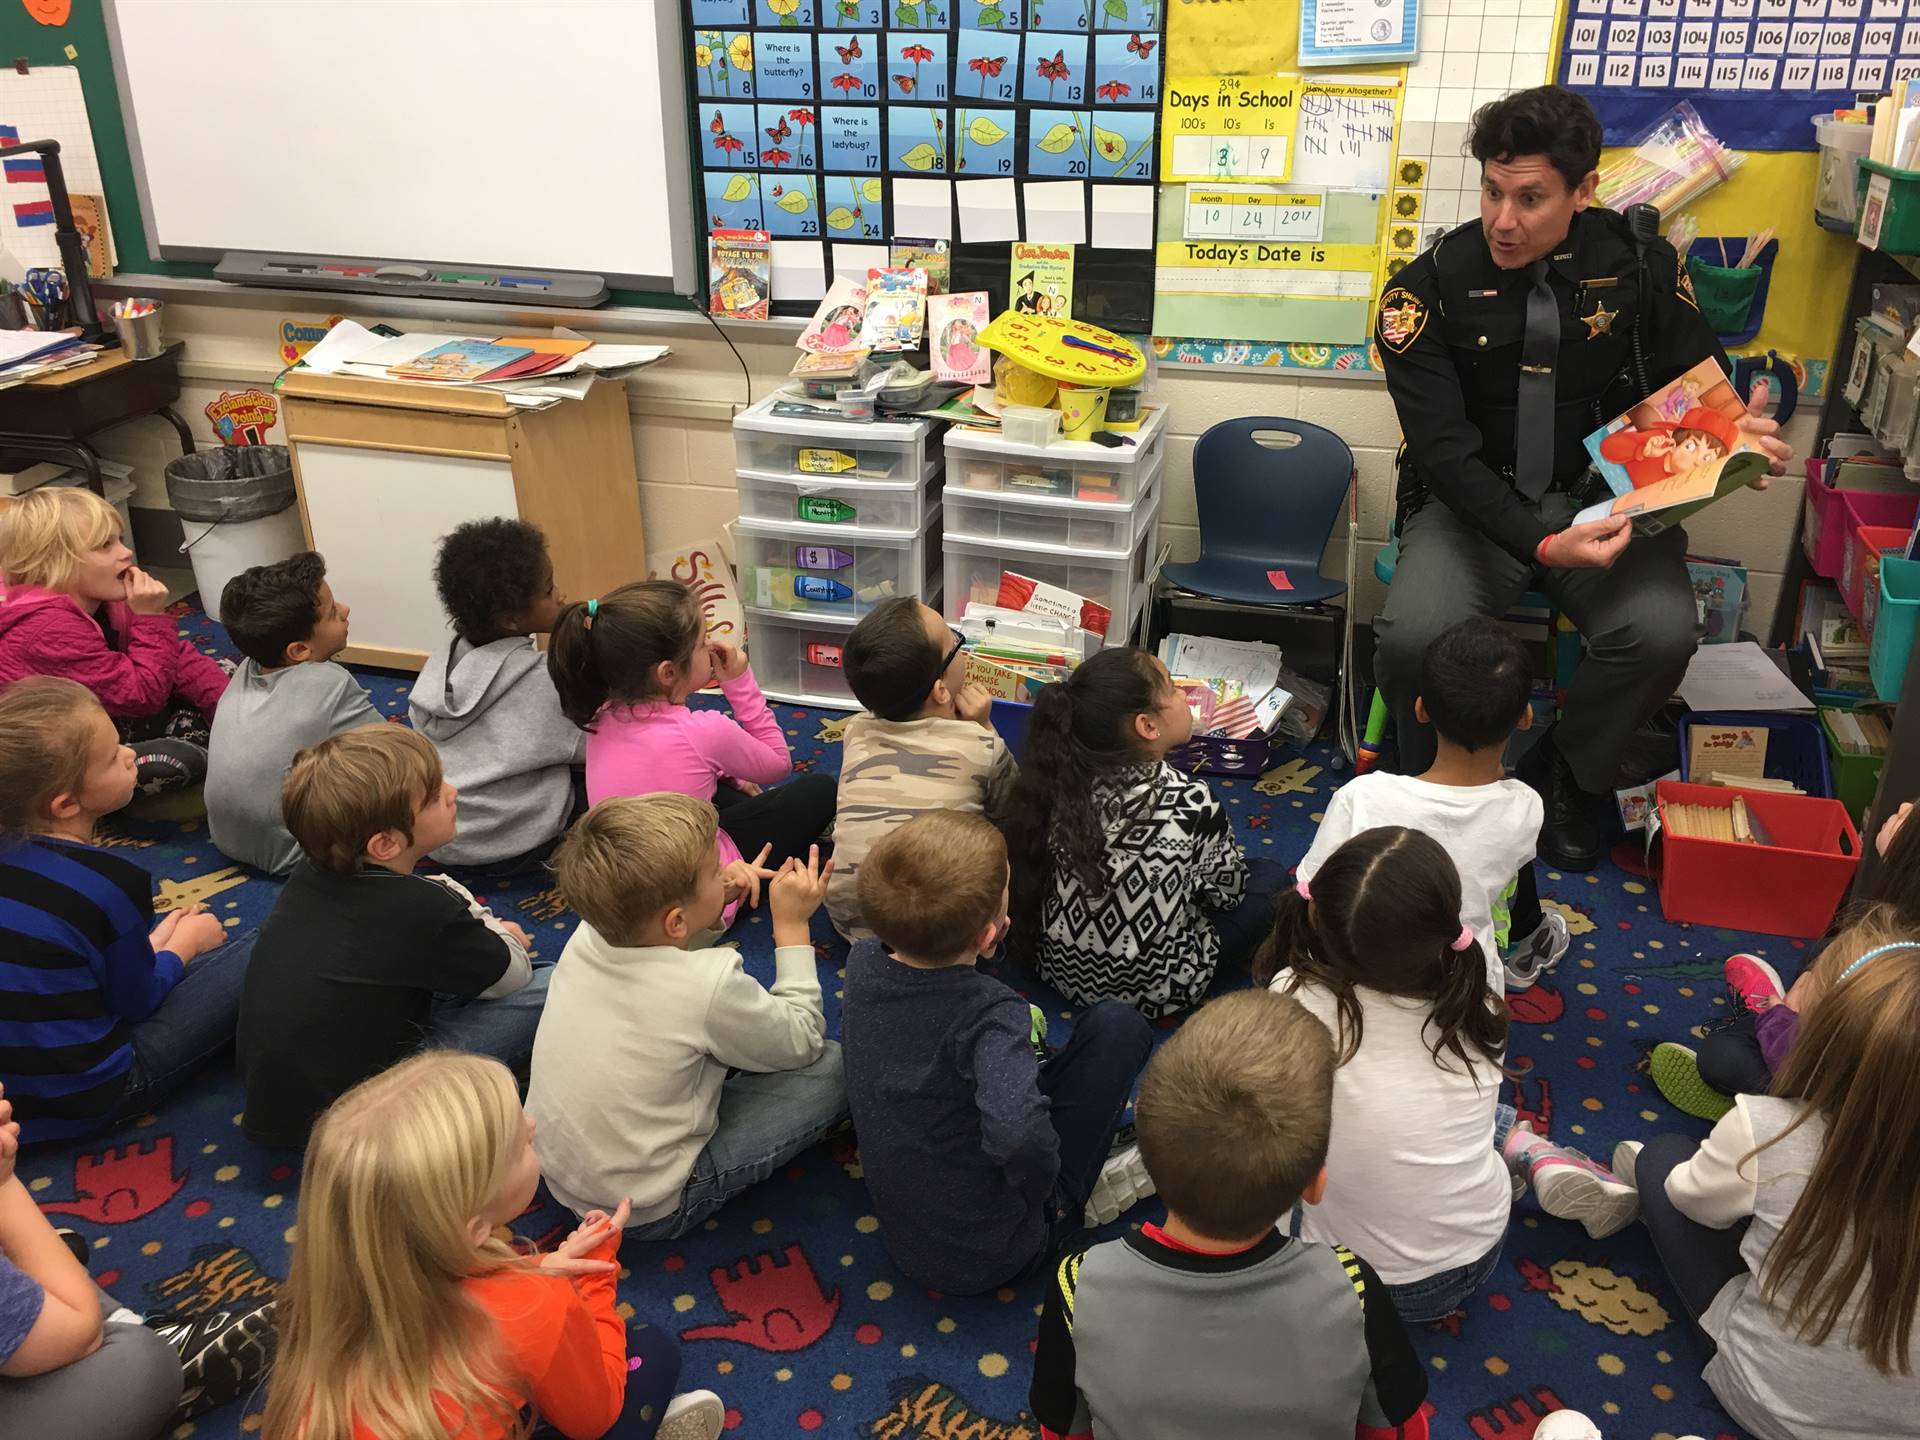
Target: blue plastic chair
x=1266 y=512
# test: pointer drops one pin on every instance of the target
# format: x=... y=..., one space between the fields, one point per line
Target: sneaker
x=223 y=1354
x=1572 y=1186
x=1123 y=1182
x=1626 y=1161
x=1676 y=1074
x=695 y=1415
x=76 y=1244
x=1754 y=983
x=1037 y=1034
x=1539 y=952
x=1566 y=1425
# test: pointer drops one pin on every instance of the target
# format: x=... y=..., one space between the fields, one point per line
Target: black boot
x=1571 y=836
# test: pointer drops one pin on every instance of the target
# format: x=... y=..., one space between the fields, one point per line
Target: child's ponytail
x=1383 y=912
x=609 y=650
x=1081 y=727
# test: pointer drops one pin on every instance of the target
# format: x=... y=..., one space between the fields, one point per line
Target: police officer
x=1505 y=344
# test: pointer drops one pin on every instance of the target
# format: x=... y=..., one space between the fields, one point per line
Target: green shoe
x=1676 y=1072
x=1037 y=1034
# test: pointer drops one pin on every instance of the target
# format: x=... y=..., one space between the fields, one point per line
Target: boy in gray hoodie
x=486 y=702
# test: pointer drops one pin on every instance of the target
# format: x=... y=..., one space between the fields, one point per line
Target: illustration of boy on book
x=1666 y=449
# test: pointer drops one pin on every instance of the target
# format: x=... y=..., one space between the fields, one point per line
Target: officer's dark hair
x=1474 y=683
x=1546 y=120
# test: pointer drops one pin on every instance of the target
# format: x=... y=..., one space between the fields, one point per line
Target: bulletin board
x=840 y=124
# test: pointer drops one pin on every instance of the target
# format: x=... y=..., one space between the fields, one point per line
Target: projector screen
x=497 y=133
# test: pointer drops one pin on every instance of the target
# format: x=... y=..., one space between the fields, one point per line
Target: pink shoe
x=1754 y=982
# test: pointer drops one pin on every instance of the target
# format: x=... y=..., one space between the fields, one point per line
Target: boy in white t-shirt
x=1474 y=691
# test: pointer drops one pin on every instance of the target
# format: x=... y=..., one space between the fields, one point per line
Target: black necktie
x=1539 y=353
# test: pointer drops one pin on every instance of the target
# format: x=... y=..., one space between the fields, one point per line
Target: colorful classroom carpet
x=787 y=1305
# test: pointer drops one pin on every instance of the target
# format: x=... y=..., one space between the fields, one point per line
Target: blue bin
x=1893 y=627
x=1010 y=719
x=1796 y=746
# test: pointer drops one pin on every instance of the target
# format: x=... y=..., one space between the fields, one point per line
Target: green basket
x=1856 y=778
x=1900 y=225
x=1725 y=293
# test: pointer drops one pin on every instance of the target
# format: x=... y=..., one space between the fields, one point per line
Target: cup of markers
x=138 y=321
x=47 y=298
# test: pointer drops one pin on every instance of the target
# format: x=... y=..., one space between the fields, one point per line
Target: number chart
x=960 y=120
x=1634 y=59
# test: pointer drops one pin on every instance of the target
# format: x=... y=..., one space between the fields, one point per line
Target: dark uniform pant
x=1638 y=618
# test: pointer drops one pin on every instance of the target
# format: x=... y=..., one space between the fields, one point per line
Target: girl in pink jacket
x=76 y=606
x=624 y=666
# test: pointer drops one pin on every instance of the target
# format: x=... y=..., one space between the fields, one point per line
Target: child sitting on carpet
x=923 y=745
x=1378 y=950
x=486 y=701
x=978 y=1156
x=287 y=694
x=107 y=1012
x=1214 y=1323
x=1741 y=1055
x=1789 y=1234
x=1125 y=867
x=630 y=1086
x=76 y=606
x=625 y=664
x=408 y=1309
x=1474 y=692
x=362 y=961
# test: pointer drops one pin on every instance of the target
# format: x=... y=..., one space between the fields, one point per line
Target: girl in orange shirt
x=407 y=1313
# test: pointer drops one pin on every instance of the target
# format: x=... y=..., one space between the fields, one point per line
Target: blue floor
x=787 y=1305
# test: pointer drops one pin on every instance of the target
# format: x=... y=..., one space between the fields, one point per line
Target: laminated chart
x=858 y=121
x=1756 y=70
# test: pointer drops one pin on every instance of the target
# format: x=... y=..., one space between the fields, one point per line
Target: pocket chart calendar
x=1756 y=70
x=959 y=120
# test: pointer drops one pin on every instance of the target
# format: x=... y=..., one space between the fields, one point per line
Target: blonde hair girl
x=76 y=605
x=408 y=1314
x=1792 y=1233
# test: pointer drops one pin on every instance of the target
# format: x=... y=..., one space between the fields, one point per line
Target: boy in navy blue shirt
x=978 y=1156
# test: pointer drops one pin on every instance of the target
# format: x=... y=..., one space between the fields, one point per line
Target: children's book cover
x=1042 y=280
x=1676 y=451
x=836 y=325
x=739 y=273
x=896 y=309
x=459 y=360
x=933 y=256
x=954 y=323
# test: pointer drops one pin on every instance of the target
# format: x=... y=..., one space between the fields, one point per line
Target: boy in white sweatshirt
x=630 y=1096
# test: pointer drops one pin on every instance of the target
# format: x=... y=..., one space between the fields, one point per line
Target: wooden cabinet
x=386 y=469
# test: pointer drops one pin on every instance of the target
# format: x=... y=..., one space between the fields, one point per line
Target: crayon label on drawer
x=821 y=557
x=813 y=460
x=818 y=587
x=824 y=510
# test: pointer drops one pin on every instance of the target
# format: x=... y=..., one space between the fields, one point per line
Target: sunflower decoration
x=703 y=56
x=1413 y=172
x=1404 y=237
x=784 y=9
x=740 y=52
x=1406 y=205
x=1395 y=264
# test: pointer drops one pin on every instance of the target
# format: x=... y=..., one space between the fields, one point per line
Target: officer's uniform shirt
x=1450 y=329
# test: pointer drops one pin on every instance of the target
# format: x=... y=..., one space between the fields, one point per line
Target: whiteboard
x=496 y=133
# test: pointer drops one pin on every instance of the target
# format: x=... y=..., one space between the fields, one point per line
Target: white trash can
x=236 y=507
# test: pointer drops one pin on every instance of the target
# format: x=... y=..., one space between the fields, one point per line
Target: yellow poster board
x=1227 y=127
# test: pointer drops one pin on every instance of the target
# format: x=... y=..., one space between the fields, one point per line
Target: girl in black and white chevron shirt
x=1127 y=881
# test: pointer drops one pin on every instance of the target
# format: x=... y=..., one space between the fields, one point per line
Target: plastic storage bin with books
x=1787 y=884
x=1856 y=748
x=1834 y=514
x=1121 y=580
x=1860 y=570
x=1890 y=637
x=1836 y=193
x=1796 y=748
x=848 y=452
x=1900 y=219
x=835 y=517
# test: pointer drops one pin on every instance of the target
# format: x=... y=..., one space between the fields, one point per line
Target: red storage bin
x=1789 y=887
x=1833 y=515
x=1860 y=571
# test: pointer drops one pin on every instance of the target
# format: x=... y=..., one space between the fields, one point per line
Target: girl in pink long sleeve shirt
x=624 y=665
x=76 y=606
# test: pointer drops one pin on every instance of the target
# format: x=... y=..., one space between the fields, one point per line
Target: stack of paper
x=533 y=371
x=28 y=354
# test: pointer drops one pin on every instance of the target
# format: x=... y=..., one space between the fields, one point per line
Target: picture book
x=1041 y=280
x=739 y=274
x=932 y=256
x=836 y=324
x=896 y=309
x=459 y=360
x=1675 y=452
x=90 y=219
x=1719 y=596
x=954 y=323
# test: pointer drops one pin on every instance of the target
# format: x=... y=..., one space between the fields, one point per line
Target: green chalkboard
x=24 y=38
